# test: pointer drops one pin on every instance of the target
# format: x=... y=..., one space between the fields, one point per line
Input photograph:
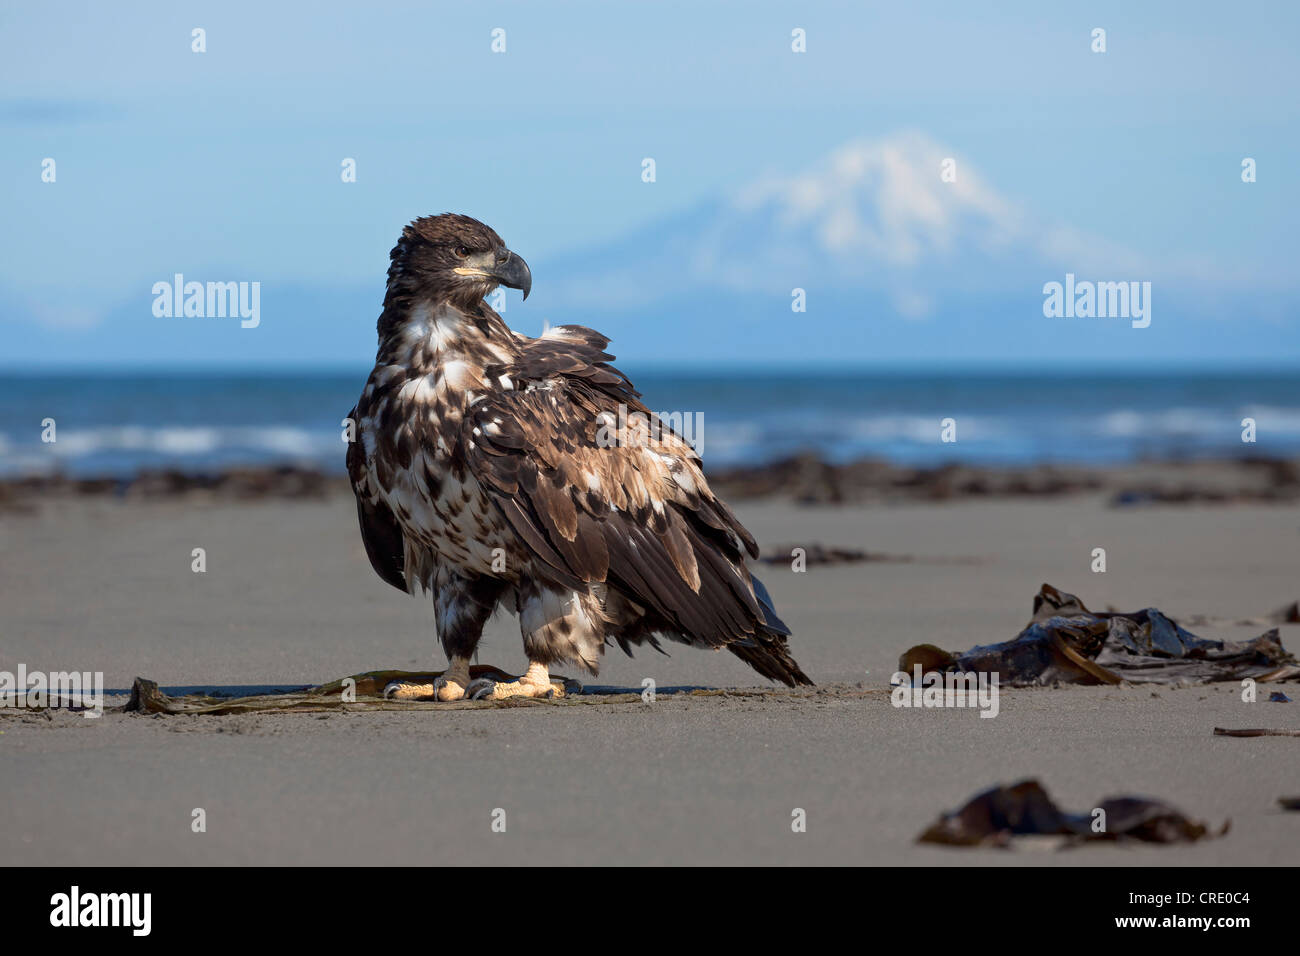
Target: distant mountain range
x=896 y=263
x=873 y=216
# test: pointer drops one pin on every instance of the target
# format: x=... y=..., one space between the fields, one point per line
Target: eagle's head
x=456 y=259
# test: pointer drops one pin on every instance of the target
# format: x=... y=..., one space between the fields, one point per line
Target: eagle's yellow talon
x=400 y=690
x=535 y=683
x=450 y=685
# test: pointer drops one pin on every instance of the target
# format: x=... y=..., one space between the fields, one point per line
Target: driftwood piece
x=1255 y=732
x=815 y=554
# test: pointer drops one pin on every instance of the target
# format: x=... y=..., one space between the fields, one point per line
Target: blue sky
x=225 y=164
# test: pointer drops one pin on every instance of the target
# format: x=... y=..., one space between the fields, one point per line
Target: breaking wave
x=116 y=426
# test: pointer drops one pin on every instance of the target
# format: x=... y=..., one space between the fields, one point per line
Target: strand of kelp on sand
x=998 y=815
x=1064 y=642
x=365 y=692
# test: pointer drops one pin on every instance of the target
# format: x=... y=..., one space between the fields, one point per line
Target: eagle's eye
x=462 y=252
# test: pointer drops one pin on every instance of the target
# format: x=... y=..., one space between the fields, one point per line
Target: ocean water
x=115 y=424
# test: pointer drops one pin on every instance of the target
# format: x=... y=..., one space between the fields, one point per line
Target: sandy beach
x=289 y=599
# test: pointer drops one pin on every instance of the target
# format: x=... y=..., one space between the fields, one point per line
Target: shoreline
x=805 y=479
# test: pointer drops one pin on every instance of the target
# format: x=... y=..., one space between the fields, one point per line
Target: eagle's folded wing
x=379 y=529
x=627 y=507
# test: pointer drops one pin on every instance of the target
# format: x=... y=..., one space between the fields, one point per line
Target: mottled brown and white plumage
x=490 y=470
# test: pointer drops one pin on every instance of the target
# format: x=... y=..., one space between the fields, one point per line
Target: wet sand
x=289 y=599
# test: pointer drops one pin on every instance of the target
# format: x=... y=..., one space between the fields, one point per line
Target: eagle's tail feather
x=769 y=611
x=769 y=654
x=769 y=651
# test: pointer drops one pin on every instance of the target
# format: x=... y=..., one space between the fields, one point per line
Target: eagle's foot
x=535 y=683
x=400 y=690
x=451 y=684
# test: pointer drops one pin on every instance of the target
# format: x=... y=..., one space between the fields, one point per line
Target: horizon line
x=1111 y=367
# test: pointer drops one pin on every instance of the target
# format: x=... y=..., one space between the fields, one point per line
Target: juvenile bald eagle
x=494 y=469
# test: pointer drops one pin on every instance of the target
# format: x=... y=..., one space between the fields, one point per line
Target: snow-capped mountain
x=902 y=216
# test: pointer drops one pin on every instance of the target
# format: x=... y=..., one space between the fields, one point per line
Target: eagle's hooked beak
x=514 y=274
x=511 y=272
